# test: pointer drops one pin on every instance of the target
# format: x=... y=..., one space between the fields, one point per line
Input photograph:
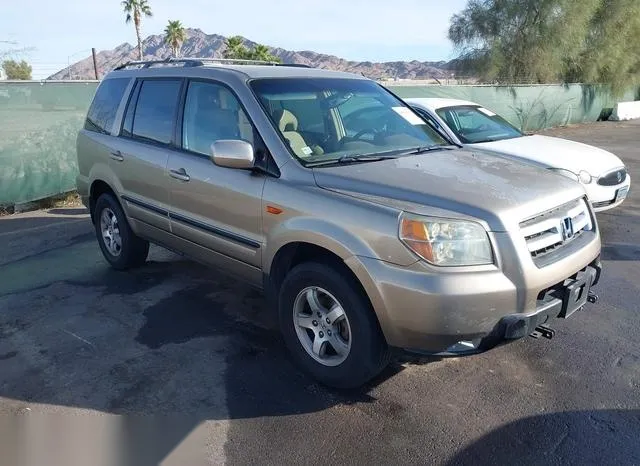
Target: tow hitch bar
x=543 y=330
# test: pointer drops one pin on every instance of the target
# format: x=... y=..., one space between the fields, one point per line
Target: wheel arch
x=96 y=189
x=297 y=252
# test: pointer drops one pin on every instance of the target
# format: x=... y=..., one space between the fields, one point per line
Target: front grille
x=552 y=230
x=613 y=178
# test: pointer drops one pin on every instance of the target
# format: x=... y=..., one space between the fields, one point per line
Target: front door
x=215 y=207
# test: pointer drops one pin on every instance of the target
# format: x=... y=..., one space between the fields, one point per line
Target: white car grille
x=556 y=228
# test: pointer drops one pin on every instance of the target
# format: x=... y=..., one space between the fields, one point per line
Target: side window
x=102 y=111
x=155 y=110
x=127 y=121
x=211 y=113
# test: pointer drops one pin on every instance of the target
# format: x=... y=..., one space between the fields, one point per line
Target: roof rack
x=191 y=62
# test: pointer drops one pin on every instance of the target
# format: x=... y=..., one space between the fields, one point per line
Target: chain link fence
x=39 y=122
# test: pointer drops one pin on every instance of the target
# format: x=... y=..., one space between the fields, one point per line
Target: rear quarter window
x=102 y=112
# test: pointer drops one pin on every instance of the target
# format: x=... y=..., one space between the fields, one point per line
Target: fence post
x=95 y=63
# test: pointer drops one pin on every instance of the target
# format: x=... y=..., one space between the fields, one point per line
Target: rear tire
x=342 y=349
x=120 y=246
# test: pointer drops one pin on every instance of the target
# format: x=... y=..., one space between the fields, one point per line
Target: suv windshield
x=474 y=124
x=325 y=120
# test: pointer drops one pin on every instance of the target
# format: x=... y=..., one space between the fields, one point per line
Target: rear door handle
x=116 y=155
x=180 y=174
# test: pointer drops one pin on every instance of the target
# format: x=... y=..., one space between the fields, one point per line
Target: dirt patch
x=71 y=199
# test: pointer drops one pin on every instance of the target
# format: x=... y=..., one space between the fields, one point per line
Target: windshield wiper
x=364 y=158
x=377 y=156
x=353 y=158
x=423 y=149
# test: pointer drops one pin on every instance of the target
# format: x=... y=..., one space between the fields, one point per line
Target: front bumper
x=433 y=313
x=560 y=301
x=607 y=197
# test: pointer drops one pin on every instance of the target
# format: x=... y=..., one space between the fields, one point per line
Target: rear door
x=140 y=155
x=215 y=207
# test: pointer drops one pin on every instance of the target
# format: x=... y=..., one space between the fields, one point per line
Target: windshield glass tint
x=477 y=124
x=325 y=119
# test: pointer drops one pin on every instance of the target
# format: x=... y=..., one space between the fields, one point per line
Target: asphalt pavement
x=175 y=363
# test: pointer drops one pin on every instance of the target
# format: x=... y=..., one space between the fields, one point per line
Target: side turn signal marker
x=274 y=210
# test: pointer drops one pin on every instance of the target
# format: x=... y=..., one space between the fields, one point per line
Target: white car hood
x=556 y=153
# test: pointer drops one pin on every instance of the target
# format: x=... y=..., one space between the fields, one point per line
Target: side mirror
x=232 y=153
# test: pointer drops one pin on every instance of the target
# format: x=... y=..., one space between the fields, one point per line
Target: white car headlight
x=585 y=177
x=446 y=242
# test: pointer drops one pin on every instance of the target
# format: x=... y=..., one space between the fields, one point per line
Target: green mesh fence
x=38 y=127
x=39 y=123
x=531 y=107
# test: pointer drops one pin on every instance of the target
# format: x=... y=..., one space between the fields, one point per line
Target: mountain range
x=199 y=44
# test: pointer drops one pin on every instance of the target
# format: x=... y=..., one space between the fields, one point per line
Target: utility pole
x=95 y=63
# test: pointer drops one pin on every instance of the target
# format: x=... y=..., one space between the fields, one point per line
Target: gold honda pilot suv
x=366 y=229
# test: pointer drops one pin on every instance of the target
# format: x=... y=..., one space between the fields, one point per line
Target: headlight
x=567 y=173
x=585 y=177
x=446 y=242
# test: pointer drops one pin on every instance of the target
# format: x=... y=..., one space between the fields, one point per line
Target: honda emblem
x=567 y=228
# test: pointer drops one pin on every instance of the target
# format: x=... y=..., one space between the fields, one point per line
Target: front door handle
x=116 y=155
x=180 y=174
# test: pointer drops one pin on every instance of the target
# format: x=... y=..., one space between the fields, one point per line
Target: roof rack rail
x=190 y=62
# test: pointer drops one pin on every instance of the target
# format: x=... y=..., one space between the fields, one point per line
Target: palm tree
x=135 y=10
x=235 y=48
x=174 y=36
x=262 y=53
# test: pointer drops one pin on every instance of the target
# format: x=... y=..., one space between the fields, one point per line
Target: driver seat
x=288 y=126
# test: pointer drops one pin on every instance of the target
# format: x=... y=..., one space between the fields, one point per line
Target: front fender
x=316 y=231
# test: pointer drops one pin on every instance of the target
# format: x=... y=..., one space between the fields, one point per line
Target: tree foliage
x=135 y=10
x=17 y=70
x=237 y=50
x=545 y=41
x=174 y=36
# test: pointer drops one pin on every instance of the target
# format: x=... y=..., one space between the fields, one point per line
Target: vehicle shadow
x=69 y=211
x=570 y=437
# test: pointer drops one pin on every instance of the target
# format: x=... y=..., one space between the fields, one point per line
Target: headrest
x=286 y=120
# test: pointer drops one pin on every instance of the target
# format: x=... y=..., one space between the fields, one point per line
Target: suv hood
x=489 y=188
x=556 y=152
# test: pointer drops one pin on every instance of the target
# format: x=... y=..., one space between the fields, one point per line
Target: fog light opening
x=462 y=347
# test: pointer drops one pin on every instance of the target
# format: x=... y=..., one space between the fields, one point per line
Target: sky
x=57 y=33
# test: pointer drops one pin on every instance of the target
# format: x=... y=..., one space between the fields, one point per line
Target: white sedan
x=602 y=173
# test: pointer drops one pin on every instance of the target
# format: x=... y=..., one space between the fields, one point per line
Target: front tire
x=119 y=244
x=329 y=326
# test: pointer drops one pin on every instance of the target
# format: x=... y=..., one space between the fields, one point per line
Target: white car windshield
x=326 y=120
x=475 y=124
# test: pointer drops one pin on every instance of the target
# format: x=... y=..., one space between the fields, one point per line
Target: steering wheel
x=361 y=133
